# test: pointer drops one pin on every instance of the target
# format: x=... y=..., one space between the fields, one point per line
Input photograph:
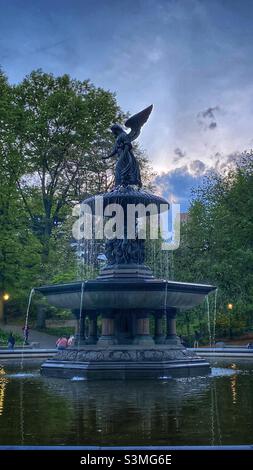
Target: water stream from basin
x=25 y=328
x=165 y=300
x=80 y=321
x=214 y=316
x=22 y=373
x=172 y=265
x=208 y=321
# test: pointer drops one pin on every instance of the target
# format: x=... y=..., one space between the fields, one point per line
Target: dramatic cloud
x=179 y=154
x=207 y=118
x=198 y=168
x=209 y=113
x=177 y=185
x=225 y=163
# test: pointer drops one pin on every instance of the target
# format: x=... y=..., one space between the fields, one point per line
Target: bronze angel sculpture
x=127 y=170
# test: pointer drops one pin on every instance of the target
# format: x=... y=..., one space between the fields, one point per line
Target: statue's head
x=116 y=129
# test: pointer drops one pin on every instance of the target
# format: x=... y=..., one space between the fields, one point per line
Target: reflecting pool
x=212 y=410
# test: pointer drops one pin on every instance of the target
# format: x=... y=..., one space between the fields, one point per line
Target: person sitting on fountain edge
x=71 y=340
x=62 y=343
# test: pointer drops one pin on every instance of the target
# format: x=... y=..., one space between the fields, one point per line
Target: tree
x=216 y=244
x=61 y=129
x=53 y=134
x=19 y=249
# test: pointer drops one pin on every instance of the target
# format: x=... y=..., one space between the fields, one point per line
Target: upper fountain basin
x=124 y=195
x=133 y=294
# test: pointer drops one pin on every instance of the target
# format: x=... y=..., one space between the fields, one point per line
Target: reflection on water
x=196 y=411
x=221 y=371
x=77 y=379
x=3 y=383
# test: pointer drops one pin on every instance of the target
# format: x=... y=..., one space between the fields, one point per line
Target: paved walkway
x=45 y=340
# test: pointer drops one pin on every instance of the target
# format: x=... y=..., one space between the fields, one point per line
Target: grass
x=4 y=335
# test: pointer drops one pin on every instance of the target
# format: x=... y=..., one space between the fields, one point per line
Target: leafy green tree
x=61 y=134
x=19 y=249
x=216 y=244
x=53 y=134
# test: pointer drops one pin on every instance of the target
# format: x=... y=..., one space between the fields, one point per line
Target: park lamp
x=230 y=306
x=6 y=296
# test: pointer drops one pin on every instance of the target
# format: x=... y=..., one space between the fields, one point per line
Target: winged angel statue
x=127 y=170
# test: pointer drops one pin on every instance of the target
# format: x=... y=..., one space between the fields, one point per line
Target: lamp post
x=230 y=308
x=4 y=297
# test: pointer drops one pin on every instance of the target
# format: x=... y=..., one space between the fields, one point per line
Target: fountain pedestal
x=142 y=333
x=125 y=362
x=108 y=330
x=159 y=337
x=171 y=337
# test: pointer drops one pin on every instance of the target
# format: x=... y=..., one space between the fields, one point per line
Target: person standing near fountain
x=197 y=336
x=11 y=341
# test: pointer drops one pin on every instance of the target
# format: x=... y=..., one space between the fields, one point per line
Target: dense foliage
x=217 y=245
x=53 y=134
x=216 y=248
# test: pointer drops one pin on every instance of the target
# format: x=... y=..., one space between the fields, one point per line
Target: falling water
x=26 y=325
x=215 y=316
x=154 y=258
x=21 y=394
x=80 y=314
x=89 y=248
x=161 y=266
x=86 y=253
x=165 y=297
x=167 y=266
x=209 y=321
x=80 y=253
x=93 y=258
x=172 y=266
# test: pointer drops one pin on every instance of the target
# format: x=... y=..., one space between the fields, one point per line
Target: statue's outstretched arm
x=113 y=152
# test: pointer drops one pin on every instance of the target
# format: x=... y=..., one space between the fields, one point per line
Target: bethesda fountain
x=125 y=295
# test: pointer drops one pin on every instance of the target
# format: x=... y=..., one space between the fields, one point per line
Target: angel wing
x=136 y=122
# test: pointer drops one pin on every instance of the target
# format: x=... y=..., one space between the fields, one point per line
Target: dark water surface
x=212 y=410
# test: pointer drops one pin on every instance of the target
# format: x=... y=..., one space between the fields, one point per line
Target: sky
x=193 y=59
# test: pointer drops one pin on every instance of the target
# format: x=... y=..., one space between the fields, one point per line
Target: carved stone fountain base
x=125 y=362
